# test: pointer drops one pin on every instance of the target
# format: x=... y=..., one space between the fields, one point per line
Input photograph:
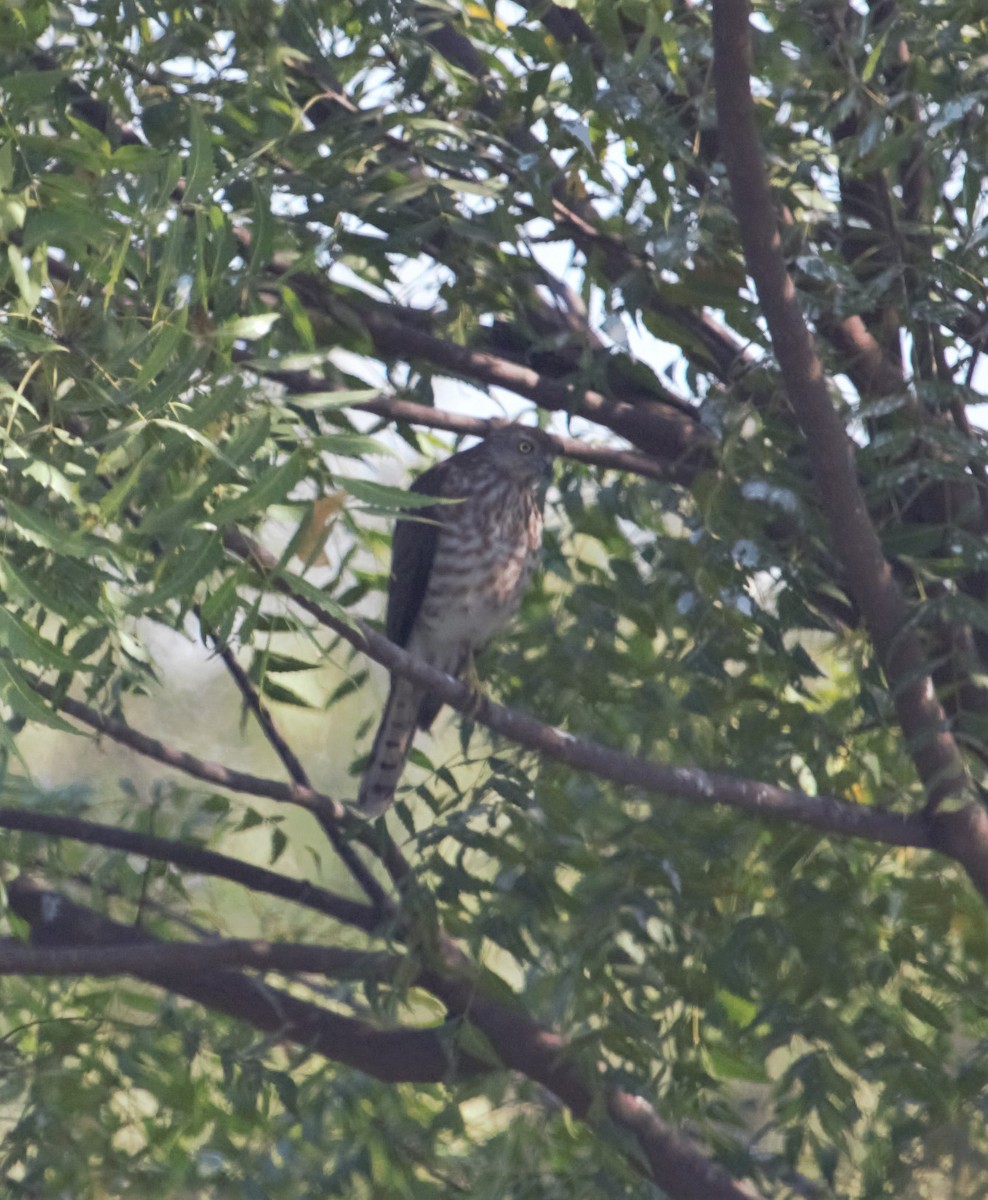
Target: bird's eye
x=525 y=446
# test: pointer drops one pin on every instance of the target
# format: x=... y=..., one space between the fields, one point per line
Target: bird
x=459 y=571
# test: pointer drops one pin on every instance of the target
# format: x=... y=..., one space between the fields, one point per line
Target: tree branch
x=827 y=813
x=933 y=749
x=252 y=702
x=211 y=772
x=660 y=429
x=609 y=457
x=195 y=858
x=675 y=1163
x=861 y=356
x=688 y=783
x=392 y=1055
x=74 y=940
x=195 y=958
x=706 y=343
x=347 y=854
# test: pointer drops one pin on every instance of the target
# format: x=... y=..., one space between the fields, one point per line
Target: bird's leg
x=471 y=679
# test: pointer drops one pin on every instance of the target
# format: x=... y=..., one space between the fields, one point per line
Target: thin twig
x=330 y=826
x=194 y=858
x=252 y=701
x=211 y=772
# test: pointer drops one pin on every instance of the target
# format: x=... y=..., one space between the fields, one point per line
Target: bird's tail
x=391 y=745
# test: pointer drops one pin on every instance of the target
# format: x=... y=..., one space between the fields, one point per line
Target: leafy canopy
x=260 y=257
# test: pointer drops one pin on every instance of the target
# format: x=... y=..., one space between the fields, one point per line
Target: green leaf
x=29 y=283
x=186 y=431
x=181 y=573
x=37 y=529
x=925 y=1010
x=25 y=701
x=383 y=497
x=740 y=1011
x=199 y=165
x=279 y=843
x=55 y=590
x=315 y=401
x=164 y=338
x=271 y=488
x=23 y=642
x=722 y=1064
x=248 y=329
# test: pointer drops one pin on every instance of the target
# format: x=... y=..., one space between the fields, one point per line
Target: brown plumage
x=458 y=575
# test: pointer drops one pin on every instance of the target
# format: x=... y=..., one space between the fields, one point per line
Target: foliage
x=237 y=239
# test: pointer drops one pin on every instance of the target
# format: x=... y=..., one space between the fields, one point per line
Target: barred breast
x=485 y=558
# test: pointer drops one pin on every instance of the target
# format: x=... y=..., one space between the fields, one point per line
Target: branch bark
x=883 y=607
x=329 y=825
x=829 y=814
x=195 y=858
x=659 y=429
x=205 y=959
x=612 y=458
x=392 y=1055
x=210 y=772
x=675 y=1163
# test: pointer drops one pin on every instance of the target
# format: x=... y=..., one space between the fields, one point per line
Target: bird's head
x=524 y=453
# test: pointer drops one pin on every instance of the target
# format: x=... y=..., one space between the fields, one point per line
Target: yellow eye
x=525 y=446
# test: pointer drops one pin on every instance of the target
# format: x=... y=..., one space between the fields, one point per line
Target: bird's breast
x=483 y=565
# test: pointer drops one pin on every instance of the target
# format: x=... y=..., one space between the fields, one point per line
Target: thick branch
x=861 y=356
x=656 y=428
x=393 y=1055
x=678 y=1166
x=855 y=540
x=73 y=940
x=609 y=457
x=195 y=958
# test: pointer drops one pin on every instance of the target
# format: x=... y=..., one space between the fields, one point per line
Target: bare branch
x=210 y=772
x=194 y=858
x=347 y=854
x=867 y=365
x=609 y=457
x=195 y=958
x=661 y=429
x=252 y=702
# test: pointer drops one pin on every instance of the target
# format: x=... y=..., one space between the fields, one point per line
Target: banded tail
x=390 y=750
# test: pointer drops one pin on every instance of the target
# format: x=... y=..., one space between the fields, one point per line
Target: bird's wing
x=413 y=549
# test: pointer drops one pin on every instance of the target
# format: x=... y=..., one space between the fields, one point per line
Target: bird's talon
x=470 y=679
